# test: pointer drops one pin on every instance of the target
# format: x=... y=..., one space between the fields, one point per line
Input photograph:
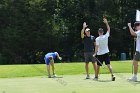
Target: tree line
x=31 y=28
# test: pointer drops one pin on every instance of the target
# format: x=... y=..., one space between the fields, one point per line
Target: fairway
x=31 y=70
x=33 y=79
x=69 y=84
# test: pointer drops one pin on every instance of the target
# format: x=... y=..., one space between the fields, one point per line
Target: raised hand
x=60 y=58
x=129 y=24
x=84 y=25
x=105 y=20
x=94 y=54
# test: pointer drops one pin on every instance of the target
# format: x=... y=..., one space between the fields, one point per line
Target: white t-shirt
x=138 y=41
x=102 y=42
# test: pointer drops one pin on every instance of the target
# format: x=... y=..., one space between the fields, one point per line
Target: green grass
x=10 y=71
x=69 y=84
x=33 y=79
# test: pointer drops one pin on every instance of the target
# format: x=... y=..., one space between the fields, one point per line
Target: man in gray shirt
x=89 y=43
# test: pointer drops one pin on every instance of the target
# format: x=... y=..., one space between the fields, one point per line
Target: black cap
x=100 y=30
x=137 y=23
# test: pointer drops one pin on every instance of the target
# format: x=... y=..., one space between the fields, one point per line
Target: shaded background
x=31 y=28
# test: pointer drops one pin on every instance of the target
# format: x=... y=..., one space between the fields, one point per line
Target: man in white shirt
x=137 y=53
x=102 y=50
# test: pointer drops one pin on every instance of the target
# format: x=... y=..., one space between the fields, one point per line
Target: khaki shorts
x=137 y=56
x=89 y=57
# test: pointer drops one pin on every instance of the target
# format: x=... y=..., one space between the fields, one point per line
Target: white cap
x=87 y=29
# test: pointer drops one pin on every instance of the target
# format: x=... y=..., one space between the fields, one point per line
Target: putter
x=61 y=68
x=103 y=66
x=61 y=71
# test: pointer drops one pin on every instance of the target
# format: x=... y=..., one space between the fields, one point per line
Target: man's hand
x=82 y=31
x=84 y=25
x=129 y=24
x=131 y=30
x=60 y=58
x=94 y=54
x=105 y=20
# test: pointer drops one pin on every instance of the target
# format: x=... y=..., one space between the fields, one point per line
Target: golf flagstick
x=133 y=54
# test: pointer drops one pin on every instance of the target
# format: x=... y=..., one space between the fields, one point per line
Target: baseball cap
x=87 y=29
x=137 y=23
x=100 y=30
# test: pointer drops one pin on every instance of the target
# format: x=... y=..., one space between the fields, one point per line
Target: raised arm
x=107 y=25
x=96 y=50
x=131 y=30
x=82 y=31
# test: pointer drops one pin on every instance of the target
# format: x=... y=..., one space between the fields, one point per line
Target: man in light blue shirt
x=49 y=60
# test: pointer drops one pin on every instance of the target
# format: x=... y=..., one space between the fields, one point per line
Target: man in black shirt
x=89 y=43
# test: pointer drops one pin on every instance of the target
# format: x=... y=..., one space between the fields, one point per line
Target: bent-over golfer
x=49 y=60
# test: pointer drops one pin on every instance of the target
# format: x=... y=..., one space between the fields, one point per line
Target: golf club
x=60 y=60
x=103 y=66
x=61 y=67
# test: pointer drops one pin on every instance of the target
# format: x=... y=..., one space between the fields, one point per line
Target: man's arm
x=131 y=30
x=94 y=46
x=107 y=25
x=82 y=31
x=60 y=58
x=96 y=50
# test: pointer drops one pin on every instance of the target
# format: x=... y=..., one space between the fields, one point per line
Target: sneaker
x=133 y=79
x=49 y=76
x=96 y=79
x=113 y=78
x=54 y=75
x=87 y=77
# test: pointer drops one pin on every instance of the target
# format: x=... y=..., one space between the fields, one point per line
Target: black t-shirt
x=89 y=43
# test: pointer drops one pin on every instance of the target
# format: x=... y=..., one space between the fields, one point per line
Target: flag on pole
x=137 y=15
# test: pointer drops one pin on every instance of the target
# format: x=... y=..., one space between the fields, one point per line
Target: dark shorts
x=137 y=56
x=89 y=57
x=102 y=58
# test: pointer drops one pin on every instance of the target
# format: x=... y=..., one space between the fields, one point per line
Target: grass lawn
x=69 y=84
x=10 y=71
x=33 y=79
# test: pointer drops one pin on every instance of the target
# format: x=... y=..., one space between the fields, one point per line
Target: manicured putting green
x=70 y=84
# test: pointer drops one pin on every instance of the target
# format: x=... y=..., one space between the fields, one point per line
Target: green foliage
x=31 y=26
